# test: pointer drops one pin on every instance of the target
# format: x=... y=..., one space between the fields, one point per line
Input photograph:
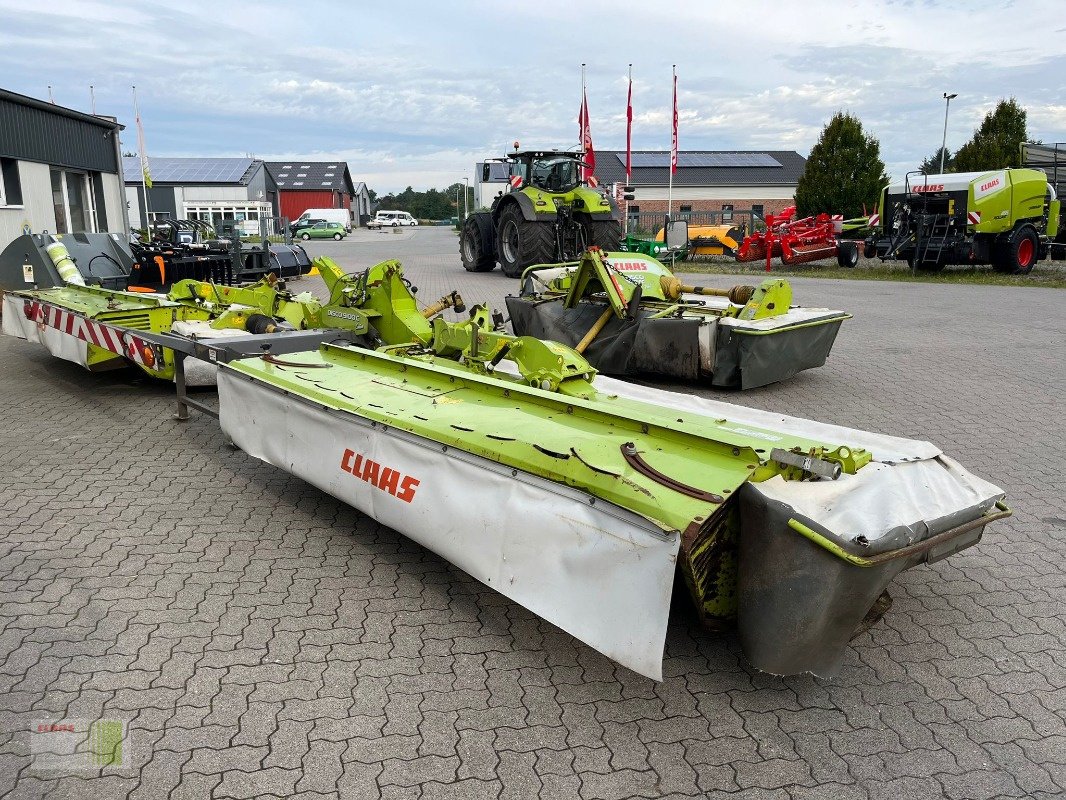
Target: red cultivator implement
x=798 y=241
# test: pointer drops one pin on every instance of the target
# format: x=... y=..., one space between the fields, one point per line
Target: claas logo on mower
x=629 y=266
x=400 y=486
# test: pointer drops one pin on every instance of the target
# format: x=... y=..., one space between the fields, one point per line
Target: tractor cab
x=550 y=171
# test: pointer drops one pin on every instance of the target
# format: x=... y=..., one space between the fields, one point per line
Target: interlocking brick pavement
x=263 y=640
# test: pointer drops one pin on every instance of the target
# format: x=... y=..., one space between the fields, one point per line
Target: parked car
x=302 y=223
x=323 y=230
x=391 y=219
x=341 y=215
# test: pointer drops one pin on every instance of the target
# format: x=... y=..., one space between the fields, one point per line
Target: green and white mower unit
x=1005 y=218
x=103 y=329
x=628 y=315
x=575 y=495
x=580 y=497
x=548 y=215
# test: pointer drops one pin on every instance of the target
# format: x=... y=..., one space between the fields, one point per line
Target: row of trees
x=431 y=204
x=845 y=173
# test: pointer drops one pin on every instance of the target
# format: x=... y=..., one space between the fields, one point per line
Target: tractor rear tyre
x=604 y=234
x=477 y=245
x=521 y=243
x=847 y=254
x=1023 y=247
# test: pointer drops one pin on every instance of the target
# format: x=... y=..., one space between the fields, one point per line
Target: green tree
x=931 y=165
x=995 y=143
x=844 y=171
x=430 y=204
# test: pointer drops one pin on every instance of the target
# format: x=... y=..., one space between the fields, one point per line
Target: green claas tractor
x=548 y=215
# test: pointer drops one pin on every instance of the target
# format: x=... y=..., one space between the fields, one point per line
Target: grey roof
x=237 y=171
x=299 y=175
x=359 y=188
x=32 y=102
x=703 y=167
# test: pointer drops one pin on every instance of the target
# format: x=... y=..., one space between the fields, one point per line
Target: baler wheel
x=847 y=254
x=1023 y=247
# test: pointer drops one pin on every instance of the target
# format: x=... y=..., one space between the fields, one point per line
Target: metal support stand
x=182 y=393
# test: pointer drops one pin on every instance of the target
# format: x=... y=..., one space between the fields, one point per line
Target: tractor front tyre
x=477 y=247
x=847 y=254
x=604 y=234
x=521 y=243
x=1023 y=247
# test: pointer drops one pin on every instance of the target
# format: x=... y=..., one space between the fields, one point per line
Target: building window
x=757 y=211
x=686 y=209
x=72 y=199
x=727 y=212
x=10 y=185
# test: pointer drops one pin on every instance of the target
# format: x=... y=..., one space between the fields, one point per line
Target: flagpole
x=673 y=145
x=629 y=150
x=583 y=122
x=143 y=159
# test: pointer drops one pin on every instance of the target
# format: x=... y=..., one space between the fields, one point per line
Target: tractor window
x=554 y=174
x=518 y=169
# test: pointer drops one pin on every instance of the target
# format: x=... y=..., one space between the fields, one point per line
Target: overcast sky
x=413 y=93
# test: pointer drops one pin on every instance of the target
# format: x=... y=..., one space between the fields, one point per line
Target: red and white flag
x=673 y=142
x=586 y=137
x=629 y=129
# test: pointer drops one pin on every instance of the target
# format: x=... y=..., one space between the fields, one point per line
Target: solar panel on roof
x=662 y=160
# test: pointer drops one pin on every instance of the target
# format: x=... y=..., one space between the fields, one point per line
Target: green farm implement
x=573 y=494
x=578 y=496
x=628 y=314
x=1007 y=218
x=104 y=329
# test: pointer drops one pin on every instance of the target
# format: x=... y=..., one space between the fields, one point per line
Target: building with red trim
x=306 y=184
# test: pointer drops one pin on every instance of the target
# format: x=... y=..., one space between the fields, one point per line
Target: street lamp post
x=466 y=198
x=944 y=142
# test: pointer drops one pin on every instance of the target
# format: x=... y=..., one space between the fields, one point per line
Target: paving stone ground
x=261 y=639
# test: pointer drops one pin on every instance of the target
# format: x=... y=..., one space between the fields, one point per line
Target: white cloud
x=414 y=94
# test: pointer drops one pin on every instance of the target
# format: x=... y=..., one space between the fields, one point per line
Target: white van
x=391 y=219
x=341 y=215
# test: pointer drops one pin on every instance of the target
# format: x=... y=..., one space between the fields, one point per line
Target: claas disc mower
x=629 y=315
x=548 y=214
x=576 y=496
